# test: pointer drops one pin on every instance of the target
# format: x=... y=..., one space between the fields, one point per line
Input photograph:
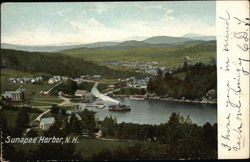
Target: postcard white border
x=232 y=18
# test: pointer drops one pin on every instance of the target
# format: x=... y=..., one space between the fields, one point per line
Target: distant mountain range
x=199 y=37
x=156 y=41
x=166 y=39
x=55 y=48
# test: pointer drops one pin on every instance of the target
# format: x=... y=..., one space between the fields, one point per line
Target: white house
x=46 y=123
x=51 y=81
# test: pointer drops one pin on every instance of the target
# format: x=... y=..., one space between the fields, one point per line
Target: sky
x=88 y=22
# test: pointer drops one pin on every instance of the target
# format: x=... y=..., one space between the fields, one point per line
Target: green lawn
x=68 y=107
x=40 y=104
x=88 y=146
x=42 y=108
x=75 y=100
x=45 y=100
x=19 y=74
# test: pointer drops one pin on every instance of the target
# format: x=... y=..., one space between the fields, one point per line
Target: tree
x=185 y=66
x=54 y=109
x=32 y=133
x=172 y=126
x=4 y=126
x=73 y=86
x=55 y=130
x=150 y=86
x=22 y=122
x=109 y=125
x=75 y=124
x=88 y=120
x=159 y=72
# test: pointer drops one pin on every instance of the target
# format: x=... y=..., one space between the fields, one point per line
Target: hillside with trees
x=169 y=55
x=56 y=64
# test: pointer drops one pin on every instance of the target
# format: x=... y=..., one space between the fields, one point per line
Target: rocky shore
x=185 y=100
x=204 y=101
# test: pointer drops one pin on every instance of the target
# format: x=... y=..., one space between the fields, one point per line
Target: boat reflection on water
x=119 y=108
x=138 y=97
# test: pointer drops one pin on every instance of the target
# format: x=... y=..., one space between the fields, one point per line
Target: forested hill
x=167 y=55
x=56 y=64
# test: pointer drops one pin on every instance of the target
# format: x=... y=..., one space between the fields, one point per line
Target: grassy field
x=89 y=146
x=45 y=100
x=19 y=74
x=86 y=147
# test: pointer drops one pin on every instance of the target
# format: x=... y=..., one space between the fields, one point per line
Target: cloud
x=62 y=13
x=89 y=30
x=101 y=7
x=82 y=26
x=158 y=7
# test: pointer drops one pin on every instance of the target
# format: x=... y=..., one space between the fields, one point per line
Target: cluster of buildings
x=149 y=68
x=56 y=79
x=38 y=79
x=87 y=77
x=85 y=95
x=139 y=83
x=131 y=82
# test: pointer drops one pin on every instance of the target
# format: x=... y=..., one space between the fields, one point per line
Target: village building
x=51 y=81
x=152 y=72
x=80 y=93
x=54 y=79
x=46 y=123
x=85 y=95
x=14 y=96
x=122 y=83
x=26 y=80
x=65 y=78
x=79 y=80
x=96 y=77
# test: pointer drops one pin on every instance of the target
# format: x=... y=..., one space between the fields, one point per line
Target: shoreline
x=175 y=100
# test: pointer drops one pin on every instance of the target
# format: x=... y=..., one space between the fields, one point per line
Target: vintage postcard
x=113 y=81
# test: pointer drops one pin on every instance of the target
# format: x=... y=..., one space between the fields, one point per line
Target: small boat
x=99 y=105
x=137 y=97
x=119 y=108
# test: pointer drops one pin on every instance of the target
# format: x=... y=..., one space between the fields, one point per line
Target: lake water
x=157 y=111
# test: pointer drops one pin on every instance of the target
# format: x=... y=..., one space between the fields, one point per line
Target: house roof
x=50 y=120
x=81 y=92
x=8 y=93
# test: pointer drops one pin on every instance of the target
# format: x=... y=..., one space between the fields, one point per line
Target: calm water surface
x=157 y=111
